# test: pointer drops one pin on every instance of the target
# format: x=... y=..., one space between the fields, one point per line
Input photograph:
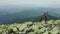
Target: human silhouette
x=45 y=16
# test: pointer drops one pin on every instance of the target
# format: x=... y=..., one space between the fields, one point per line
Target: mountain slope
x=6 y=16
x=23 y=14
x=33 y=19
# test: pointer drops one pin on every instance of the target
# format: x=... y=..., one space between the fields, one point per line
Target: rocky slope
x=49 y=27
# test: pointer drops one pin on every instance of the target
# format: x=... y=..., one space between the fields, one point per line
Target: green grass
x=49 y=27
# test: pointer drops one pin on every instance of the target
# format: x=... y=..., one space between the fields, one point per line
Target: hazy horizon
x=38 y=3
x=21 y=5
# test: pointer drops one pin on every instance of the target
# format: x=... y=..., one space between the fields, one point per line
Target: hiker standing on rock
x=45 y=16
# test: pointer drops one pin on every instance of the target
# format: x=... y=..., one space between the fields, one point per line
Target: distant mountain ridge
x=28 y=15
x=33 y=19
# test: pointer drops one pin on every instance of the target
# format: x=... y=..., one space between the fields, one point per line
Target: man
x=45 y=16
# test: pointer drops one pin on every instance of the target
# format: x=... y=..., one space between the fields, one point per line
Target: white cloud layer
x=32 y=2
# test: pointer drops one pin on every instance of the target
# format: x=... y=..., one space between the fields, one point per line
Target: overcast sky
x=31 y=2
